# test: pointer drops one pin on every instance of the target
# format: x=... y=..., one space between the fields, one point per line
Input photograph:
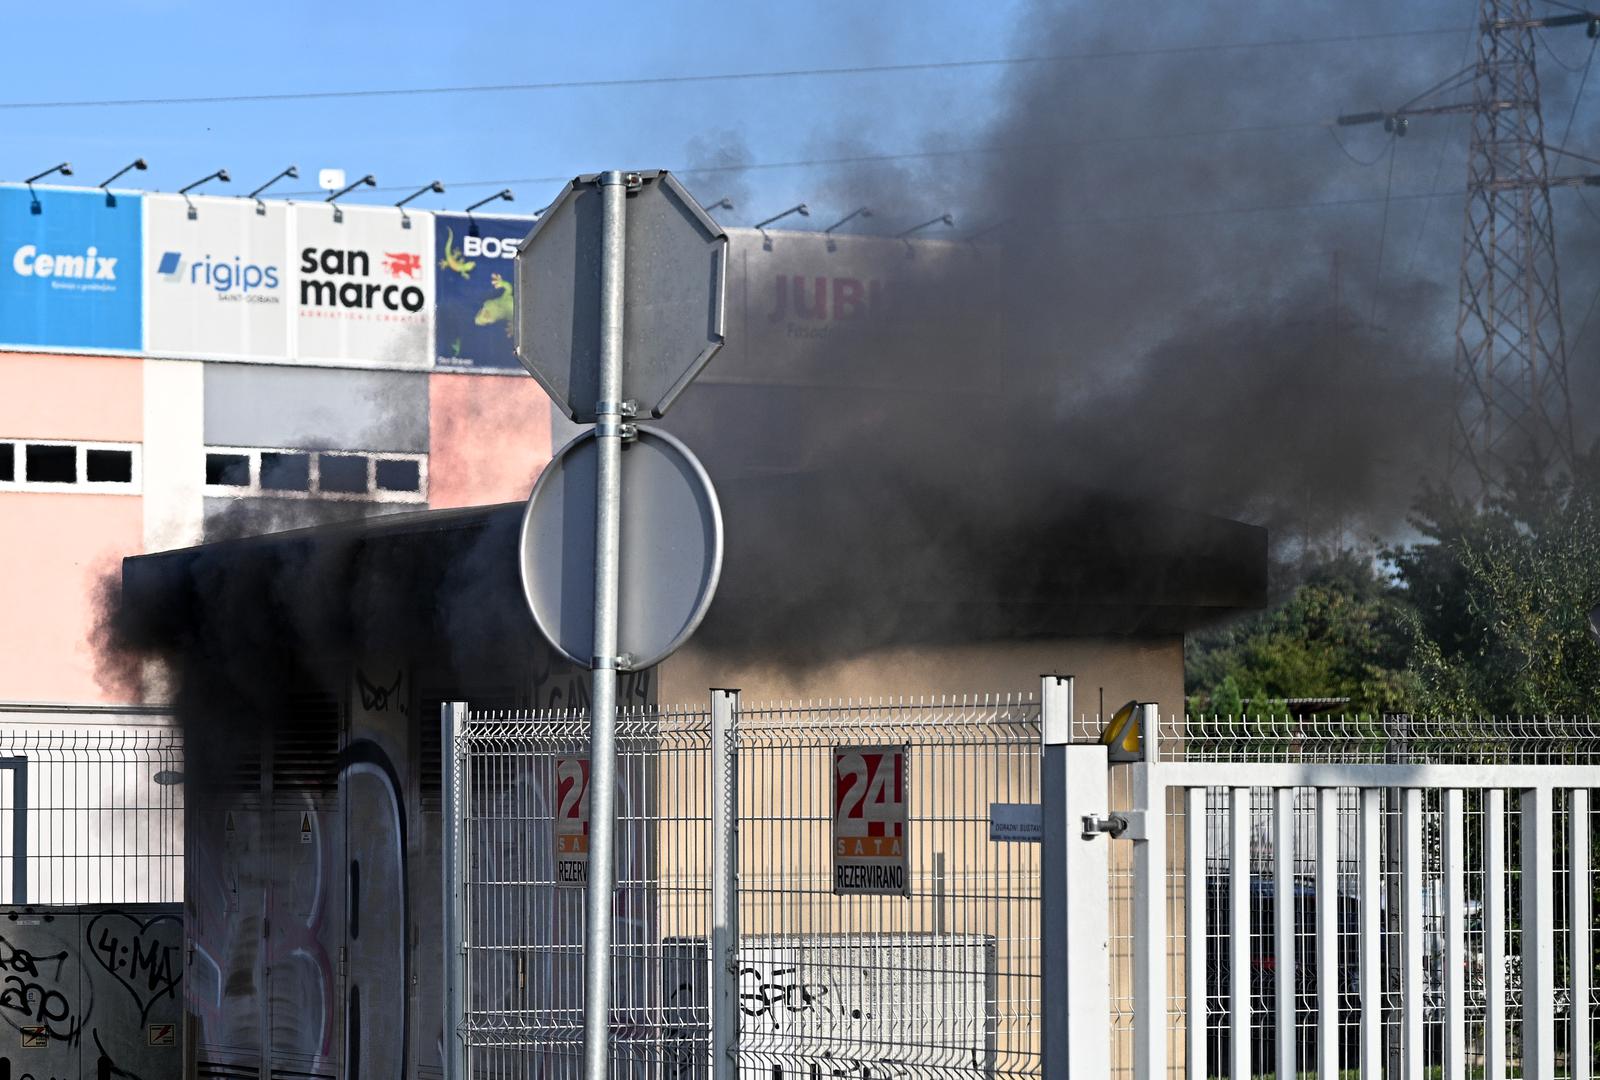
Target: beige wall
x=1149 y=669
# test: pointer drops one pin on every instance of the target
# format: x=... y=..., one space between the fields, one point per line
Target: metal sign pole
x=603 y=698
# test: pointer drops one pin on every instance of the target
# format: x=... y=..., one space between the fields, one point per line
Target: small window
x=286 y=472
x=228 y=470
x=399 y=476
x=342 y=474
x=8 y=461
x=52 y=464
x=109 y=466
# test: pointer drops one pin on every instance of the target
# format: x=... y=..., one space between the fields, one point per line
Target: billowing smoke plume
x=1189 y=287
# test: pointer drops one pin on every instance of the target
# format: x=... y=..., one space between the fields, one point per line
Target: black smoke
x=1188 y=287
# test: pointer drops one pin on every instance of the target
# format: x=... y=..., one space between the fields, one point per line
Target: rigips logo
x=232 y=279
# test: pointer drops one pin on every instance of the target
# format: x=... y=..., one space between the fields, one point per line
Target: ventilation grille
x=305 y=745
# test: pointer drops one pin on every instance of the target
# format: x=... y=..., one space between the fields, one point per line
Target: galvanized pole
x=452 y=716
x=597 y=959
x=724 y=884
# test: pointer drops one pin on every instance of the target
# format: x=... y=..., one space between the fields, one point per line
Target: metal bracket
x=1095 y=824
x=623 y=662
x=1136 y=824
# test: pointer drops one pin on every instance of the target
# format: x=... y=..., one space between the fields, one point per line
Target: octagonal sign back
x=674 y=279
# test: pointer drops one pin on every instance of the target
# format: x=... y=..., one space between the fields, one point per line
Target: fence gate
x=1324 y=897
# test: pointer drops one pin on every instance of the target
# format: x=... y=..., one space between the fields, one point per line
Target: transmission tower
x=1513 y=409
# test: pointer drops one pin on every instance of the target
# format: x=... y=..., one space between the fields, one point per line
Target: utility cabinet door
x=225 y=905
x=305 y=933
x=133 y=972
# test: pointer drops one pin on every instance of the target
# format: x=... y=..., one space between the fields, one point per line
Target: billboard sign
x=69 y=269
x=869 y=821
x=362 y=287
x=572 y=821
x=218 y=283
x=475 y=273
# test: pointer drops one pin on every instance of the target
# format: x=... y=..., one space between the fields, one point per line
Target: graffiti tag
x=146 y=966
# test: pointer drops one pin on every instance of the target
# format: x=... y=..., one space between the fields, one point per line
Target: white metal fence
x=1252 y=897
x=91 y=806
x=1326 y=896
x=726 y=852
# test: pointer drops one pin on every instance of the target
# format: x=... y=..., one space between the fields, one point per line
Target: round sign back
x=671 y=548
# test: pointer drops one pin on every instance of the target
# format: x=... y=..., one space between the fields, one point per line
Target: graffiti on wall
x=314 y=916
x=92 y=988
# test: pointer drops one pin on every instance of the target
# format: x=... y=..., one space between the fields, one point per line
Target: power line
x=715 y=77
x=869 y=159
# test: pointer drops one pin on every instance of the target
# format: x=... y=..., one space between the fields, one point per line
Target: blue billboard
x=474 y=277
x=70 y=269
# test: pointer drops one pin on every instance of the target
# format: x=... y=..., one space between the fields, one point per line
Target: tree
x=1485 y=615
x=1498 y=598
x=1341 y=633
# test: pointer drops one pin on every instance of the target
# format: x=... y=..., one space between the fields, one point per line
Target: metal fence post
x=453 y=822
x=724 y=801
x=1074 y=933
x=1148 y=828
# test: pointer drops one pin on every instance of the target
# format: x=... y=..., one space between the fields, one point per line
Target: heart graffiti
x=132 y=953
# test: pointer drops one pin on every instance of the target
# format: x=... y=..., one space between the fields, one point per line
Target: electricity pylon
x=1513 y=409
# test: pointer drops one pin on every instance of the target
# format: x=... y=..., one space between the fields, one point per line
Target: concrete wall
x=315 y=408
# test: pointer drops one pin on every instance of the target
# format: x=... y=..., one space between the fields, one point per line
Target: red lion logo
x=402 y=262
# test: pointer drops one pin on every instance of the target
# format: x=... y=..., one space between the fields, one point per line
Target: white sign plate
x=1016 y=823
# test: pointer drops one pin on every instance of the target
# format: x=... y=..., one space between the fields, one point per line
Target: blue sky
x=173 y=48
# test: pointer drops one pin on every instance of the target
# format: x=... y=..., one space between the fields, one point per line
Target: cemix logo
x=90 y=265
x=230 y=279
x=337 y=278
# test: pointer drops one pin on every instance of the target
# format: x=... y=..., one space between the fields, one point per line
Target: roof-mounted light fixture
x=437 y=187
x=506 y=195
x=472 y=222
x=220 y=174
x=137 y=163
x=65 y=169
x=761 y=226
x=338 y=215
x=292 y=172
x=943 y=219
x=860 y=211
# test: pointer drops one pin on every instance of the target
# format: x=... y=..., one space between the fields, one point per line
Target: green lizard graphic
x=452 y=258
x=497 y=308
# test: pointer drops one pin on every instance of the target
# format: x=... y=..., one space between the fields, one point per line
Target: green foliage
x=1486 y=614
x=1500 y=596
x=1341 y=634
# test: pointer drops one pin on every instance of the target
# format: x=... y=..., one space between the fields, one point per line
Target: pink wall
x=58 y=550
x=71 y=397
x=489 y=436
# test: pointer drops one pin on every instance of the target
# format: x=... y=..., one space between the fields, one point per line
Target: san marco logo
x=340 y=281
